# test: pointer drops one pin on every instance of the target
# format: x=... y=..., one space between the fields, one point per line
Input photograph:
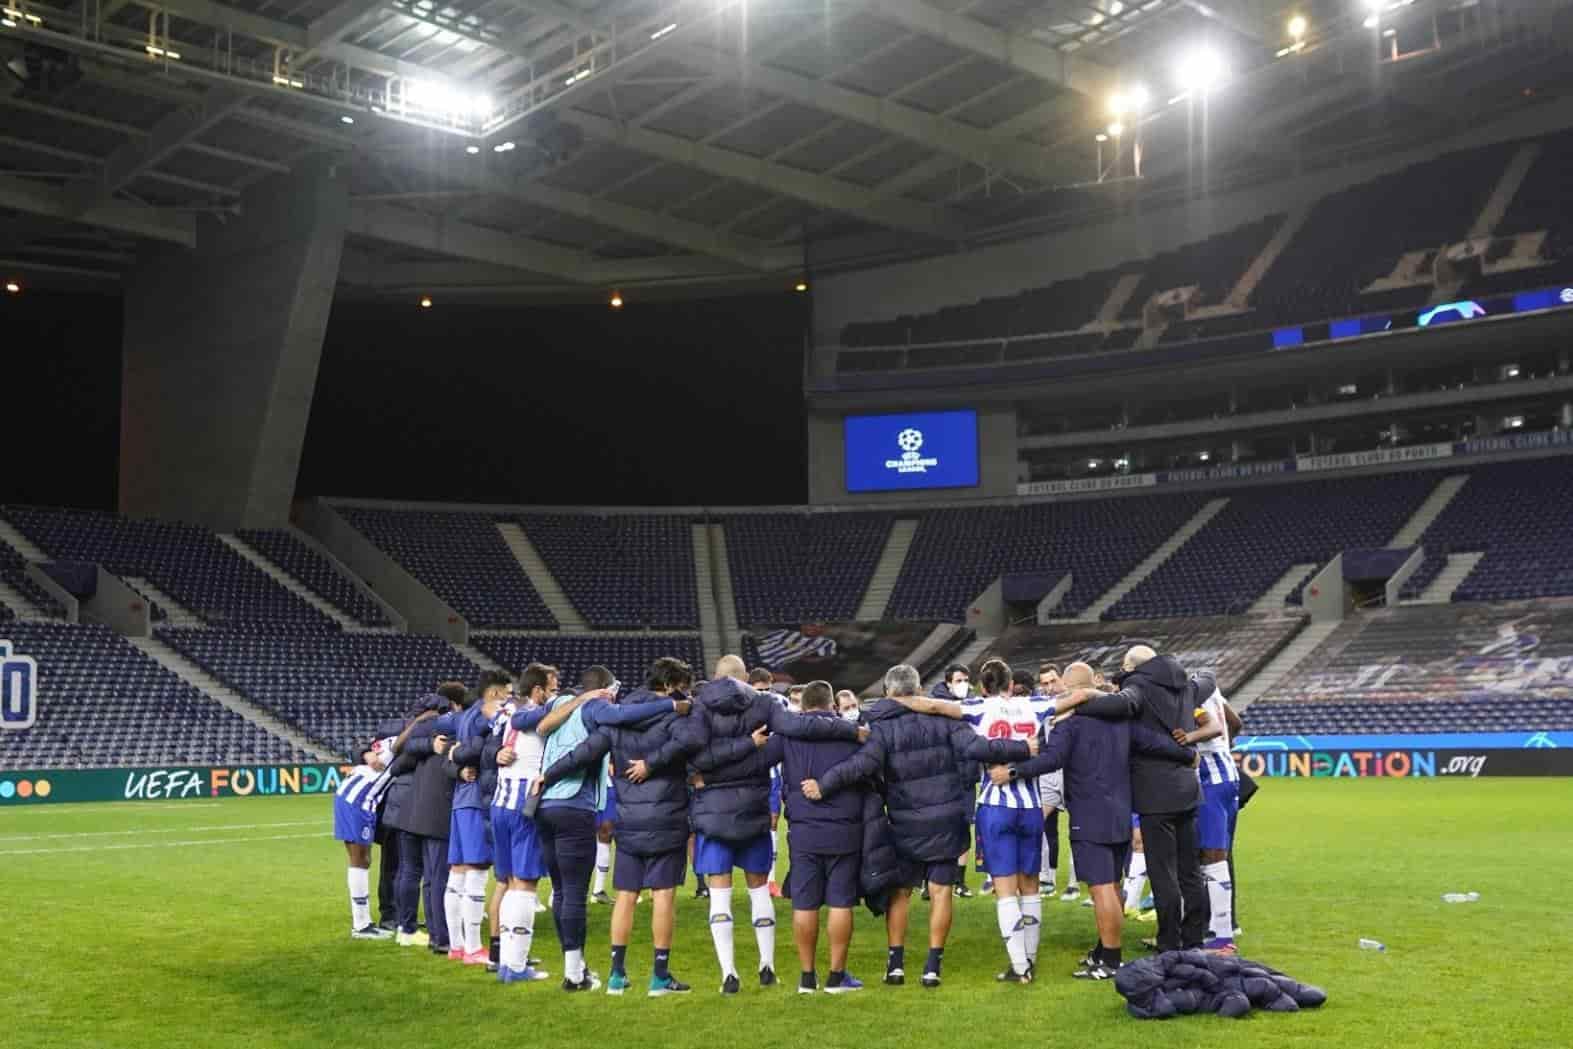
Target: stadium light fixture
x=1116 y=129
x=154 y=51
x=616 y=301
x=670 y=27
x=1204 y=456
x=800 y=286
x=1199 y=70
x=472 y=150
x=13 y=288
x=1100 y=137
x=504 y=147
x=1297 y=27
x=346 y=119
x=425 y=302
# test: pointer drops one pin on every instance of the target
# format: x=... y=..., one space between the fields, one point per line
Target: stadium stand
x=628 y=655
x=620 y=570
x=1263 y=531
x=13 y=572
x=1436 y=668
x=333 y=687
x=1521 y=516
x=189 y=564
x=790 y=568
x=958 y=553
x=1232 y=647
x=286 y=550
x=462 y=558
x=1212 y=264
x=109 y=704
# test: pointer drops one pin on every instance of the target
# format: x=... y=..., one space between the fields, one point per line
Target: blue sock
x=661 y=959
x=936 y=958
x=619 y=954
x=895 y=958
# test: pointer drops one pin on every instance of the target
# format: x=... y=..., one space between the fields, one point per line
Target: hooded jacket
x=652 y=817
x=1159 y=695
x=735 y=802
x=918 y=755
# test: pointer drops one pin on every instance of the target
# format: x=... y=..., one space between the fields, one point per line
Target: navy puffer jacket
x=971 y=771
x=652 y=817
x=735 y=804
x=918 y=755
x=880 y=872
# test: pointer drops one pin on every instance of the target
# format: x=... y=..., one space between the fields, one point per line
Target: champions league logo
x=910 y=441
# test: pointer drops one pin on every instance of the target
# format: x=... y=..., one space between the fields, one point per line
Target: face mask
x=851 y=715
x=959 y=689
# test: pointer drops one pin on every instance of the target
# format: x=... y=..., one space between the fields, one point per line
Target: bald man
x=1156 y=692
x=731 y=811
x=1095 y=755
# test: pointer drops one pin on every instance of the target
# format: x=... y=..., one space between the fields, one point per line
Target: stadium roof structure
x=557 y=148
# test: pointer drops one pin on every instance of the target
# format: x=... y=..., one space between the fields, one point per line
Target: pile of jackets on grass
x=1181 y=982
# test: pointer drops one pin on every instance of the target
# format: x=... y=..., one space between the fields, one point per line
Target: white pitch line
x=7 y=838
x=72 y=808
x=157 y=844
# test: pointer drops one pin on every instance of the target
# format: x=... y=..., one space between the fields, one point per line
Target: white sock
x=764 y=915
x=360 y=897
x=573 y=965
x=1008 y=910
x=517 y=915
x=772 y=856
x=1032 y=923
x=1134 y=880
x=453 y=909
x=1070 y=866
x=1046 y=871
x=721 y=930
x=1220 y=891
x=474 y=909
x=603 y=863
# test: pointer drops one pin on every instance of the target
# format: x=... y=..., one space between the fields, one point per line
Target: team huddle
x=520 y=781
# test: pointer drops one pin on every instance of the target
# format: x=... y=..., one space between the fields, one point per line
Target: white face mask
x=851 y=715
x=959 y=689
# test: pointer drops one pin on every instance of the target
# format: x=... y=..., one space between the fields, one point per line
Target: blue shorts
x=469 y=838
x=352 y=823
x=608 y=813
x=717 y=856
x=632 y=872
x=1100 y=863
x=517 y=845
x=815 y=880
x=1215 y=819
x=1011 y=840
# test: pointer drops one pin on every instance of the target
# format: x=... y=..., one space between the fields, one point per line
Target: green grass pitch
x=224 y=924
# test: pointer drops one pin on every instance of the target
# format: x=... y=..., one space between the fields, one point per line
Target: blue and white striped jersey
x=513 y=781
x=1217 y=764
x=364 y=785
x=1008 y=717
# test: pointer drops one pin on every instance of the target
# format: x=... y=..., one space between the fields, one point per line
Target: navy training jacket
x=918 y=755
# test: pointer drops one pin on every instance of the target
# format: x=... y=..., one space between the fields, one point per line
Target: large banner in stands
x=848 y=655
x=170 y=783
x=1111 y=483
x=1407 y=756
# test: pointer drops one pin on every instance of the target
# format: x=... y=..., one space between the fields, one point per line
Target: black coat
x=971 y=771
x=735 y=802
x=1181 y=982
x=823 y=740
x=918 y=756
x=1096 y=756
x=1159 y=695
x=426 y=805
x=652 y=817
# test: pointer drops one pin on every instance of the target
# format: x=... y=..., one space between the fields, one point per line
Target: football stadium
x=765 y=523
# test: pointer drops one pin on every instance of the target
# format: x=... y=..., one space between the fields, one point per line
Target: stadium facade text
x=168 y=784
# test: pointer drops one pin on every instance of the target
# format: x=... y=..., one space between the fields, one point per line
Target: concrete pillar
x=1565 y=417
x=220 y=354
